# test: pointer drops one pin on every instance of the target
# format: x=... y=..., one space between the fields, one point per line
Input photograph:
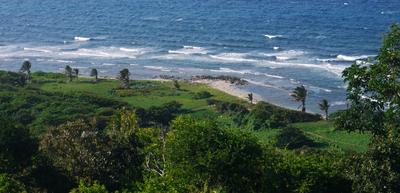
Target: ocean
x=276 y=45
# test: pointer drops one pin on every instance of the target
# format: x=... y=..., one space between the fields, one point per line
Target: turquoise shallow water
x=274 y=44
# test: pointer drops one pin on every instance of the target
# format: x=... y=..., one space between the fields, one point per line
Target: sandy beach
x=229 y=88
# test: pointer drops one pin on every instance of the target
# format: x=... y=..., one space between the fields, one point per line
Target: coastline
x=229 y=88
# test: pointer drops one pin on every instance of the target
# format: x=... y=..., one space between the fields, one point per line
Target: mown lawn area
x=325 y=133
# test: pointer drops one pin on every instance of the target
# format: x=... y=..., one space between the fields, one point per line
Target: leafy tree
x=89 y=188
x=84 y=152
x=300 y=94
x=68 y=72
x=209 y=157
x=324 y=106
x=250 y=97
x=26 y=68
x=94 y=74
x=176 y=84
x=10 y=185
x=124 y=78
x=373 y=91
x=16 y=146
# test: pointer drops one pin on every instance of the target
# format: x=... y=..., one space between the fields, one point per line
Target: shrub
x=12 y=78
x=10 y=185
x=293 y=138
x=202 y=95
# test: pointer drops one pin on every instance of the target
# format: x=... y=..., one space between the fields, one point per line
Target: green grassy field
x=324 y=133
x=146 y=93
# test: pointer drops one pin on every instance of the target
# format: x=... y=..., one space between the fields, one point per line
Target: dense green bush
x=10 y=185
x=209 y=156
x=12 y=78
x=293 y=138
x=202 y=95
x=39 y=110
x=16 y=146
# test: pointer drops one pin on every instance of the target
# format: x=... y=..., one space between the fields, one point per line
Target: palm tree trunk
x=326 y=114
x=303 y=109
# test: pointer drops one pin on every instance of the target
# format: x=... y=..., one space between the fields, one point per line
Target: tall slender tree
x=124 y=78
x=26 y=68
x=76 y=72
x=68 y=72
x=324 y=106
x=300 y=94
x=94 y=74
x=250 y=97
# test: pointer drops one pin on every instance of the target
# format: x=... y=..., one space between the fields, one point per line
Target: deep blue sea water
x=275 y=44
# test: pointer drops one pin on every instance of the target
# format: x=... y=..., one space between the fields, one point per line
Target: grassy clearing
x=324 y=132
x=143 y=93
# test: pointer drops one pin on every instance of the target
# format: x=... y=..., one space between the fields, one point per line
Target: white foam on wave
x=345 y=58
x=81 y=39
x=232 y=57
x=158 y=68
x=276 y=48
x=273 y=36
x=338 y=103
x=106 y=52
x=286 y=55
x=351 y=58
x=189 y=50
x=244 y=72
x=38 y=50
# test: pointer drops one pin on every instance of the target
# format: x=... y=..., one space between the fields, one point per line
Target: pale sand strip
x=230 y=89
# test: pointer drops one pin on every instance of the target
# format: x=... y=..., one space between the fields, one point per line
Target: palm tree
x=76 y=72
x=250 y=97
x=299 y=94
x=324 y=106
x=26 y=68
x=68 y=72
x=176 y=84
x=94 y=74
x=124 y=78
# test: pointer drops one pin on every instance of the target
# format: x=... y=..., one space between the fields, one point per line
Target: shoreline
x=230 y=89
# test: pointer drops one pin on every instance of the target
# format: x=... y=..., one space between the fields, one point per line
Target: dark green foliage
x=379 y=169
x=16 y=146
x=309 y=173
x=48 y=177
x=123 y=77
x=293 y=138
x=265 y=115
x=212 y=157
x=84 y=152
x=89 y=188
x=159 y=116
x=373 y=91
x=38 y=109
x=12 y=78
x=177 y=85
x=202 y=95
x=10 y=185
x=26 y=68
